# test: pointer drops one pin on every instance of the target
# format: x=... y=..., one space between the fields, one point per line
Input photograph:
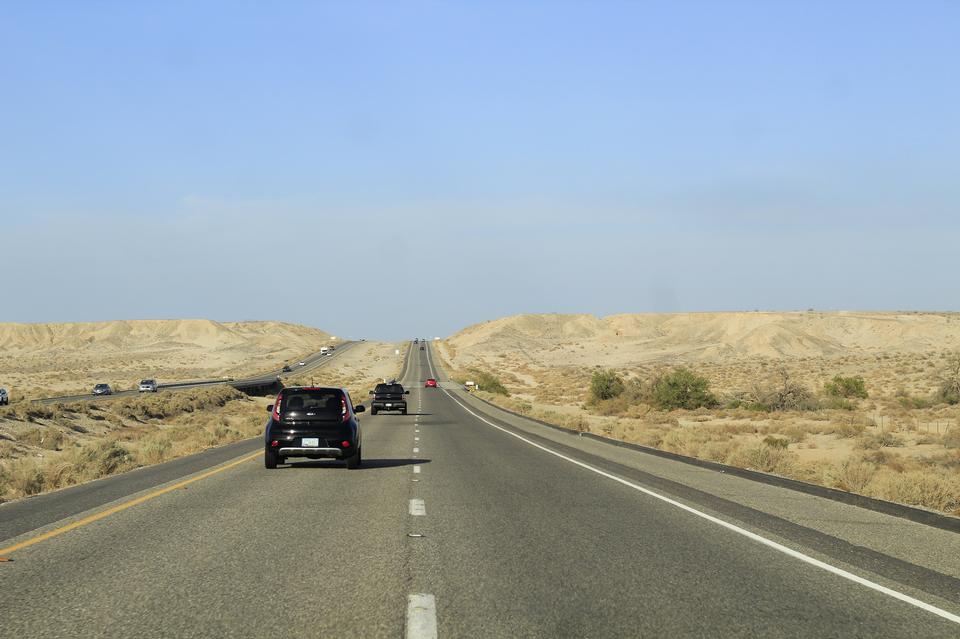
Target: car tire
x=403 y=412
x=373 y=411
x=269 y=459
x=353 y=462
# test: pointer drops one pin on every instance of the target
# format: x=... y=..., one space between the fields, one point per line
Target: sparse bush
x=764 y=458
x=682 y=388
x=489 y=382
x=605 y=385
x=846 y=387
x=874 y=441
x=783 y=395
x=931 y=489
x=615 y=406
x=847 y=429
x=837 y=403
x=776 y=442
x=951 y=439
x=49 y=438
x=24 y=478
x=155 y=450
x=907 y=401
x=854 y=475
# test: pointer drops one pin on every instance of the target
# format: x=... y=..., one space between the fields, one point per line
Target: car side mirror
x=371 y=392
x=360 y=409
x=406 y=392
x=270 y=408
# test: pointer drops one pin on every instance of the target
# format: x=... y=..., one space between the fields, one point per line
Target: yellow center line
x=120 y=507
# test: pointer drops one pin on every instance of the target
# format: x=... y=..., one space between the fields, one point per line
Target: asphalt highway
x=311 y=363
x=465 y=521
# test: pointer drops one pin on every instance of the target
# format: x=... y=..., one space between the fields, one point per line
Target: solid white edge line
x=840 y=572
x=421 y=616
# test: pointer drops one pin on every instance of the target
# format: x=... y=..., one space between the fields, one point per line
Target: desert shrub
x=846 y=387
x=24 y=478
x=29 y=411
x=489 y=382
x=781 y=395
x=853 y=475
x=49 y=438
x=907 y=401
x=949 y=387
x=97 y=460
x=155 y=450
x=776 y=442
x=846 y=429
x=874 y=441
x=613 y=406
x=765 y=458
x=951 y=439
x=837 y=403
x=605 y=385
x=929 y=488
x=682 y=388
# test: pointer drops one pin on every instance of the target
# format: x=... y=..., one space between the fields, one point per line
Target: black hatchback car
x=313 y=422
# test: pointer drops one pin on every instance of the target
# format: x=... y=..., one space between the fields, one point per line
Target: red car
x=430 y=383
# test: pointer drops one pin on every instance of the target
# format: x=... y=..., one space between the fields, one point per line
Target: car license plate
x=310 y=442
x=389 y=405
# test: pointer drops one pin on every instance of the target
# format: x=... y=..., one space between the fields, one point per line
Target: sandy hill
x=64 y=355
x=556 y=340
x=151 y=335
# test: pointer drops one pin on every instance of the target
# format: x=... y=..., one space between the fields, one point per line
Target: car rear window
x=389 y=388
x=323 y=403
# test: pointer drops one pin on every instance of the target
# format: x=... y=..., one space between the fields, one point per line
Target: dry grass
x=882 y=447
x=74 y=443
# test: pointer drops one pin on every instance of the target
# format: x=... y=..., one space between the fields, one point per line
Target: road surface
x=464 y=521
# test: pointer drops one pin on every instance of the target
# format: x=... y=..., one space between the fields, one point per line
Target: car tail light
x=276 y=407
x=343 y=410
x=345 y=444
x=275 y=443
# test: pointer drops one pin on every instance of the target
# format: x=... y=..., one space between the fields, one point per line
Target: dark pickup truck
x=389 y=397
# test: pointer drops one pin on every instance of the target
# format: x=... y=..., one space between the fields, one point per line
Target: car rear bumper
x=389 y=405
x=300 y=451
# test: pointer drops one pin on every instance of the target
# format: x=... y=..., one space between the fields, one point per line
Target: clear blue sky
x=295 y=161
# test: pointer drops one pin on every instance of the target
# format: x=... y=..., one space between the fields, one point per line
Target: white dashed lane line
x=416 y=469
x=417 y=508
x=421 y=617
x=416 y=450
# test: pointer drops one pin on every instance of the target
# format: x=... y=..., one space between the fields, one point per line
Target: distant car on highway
x=147 y=386
x=422 y=348
x=416 y=340
x=430 y=383
x=102 y=389
x=286 y=369
x=301 y=363
x=313 y=422
x=324 y=350
x=390 y=397
x=4 y=397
